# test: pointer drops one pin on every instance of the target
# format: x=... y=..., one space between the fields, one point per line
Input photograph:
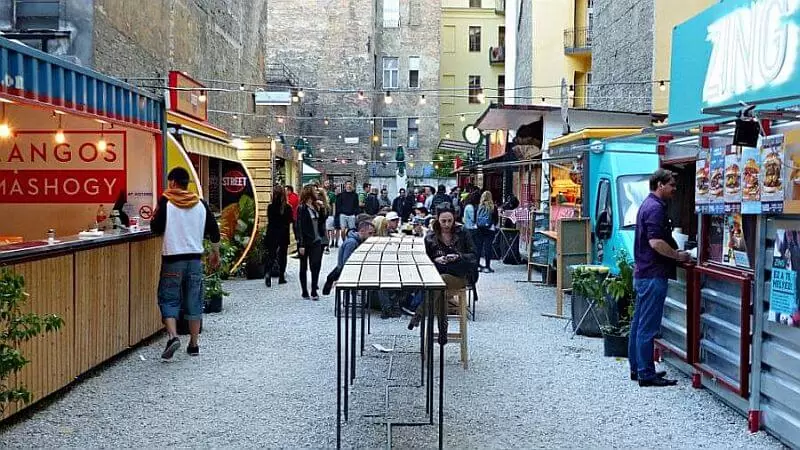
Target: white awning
x=308 y=170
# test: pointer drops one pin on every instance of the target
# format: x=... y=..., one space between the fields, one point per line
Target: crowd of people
x=324 y=217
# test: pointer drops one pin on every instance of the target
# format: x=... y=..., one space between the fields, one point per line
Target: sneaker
x=414 y=323
x=193 y=351
x=327 y=250
x=314 y=296
x=268 y=280
x=489 y=270
x=305 y=296
x=657 y=382
x=659 y=374
x=172 y=346
x=326 y=289
x=407 y=311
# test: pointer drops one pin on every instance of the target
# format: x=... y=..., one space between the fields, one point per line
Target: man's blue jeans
x=650 y=296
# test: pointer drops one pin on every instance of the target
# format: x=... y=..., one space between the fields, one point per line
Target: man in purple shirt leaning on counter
x=656 y=255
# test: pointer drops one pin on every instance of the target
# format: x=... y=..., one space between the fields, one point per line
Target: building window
x=474 y=39
x=413 y=71
x=501 y=36
x=449 y=39
x=389 y=133
x=413 y=132
x=474 y=3
x=391 y=72
x=474 y=88
x=391 y=13
x=501 y=89
x=448 y=86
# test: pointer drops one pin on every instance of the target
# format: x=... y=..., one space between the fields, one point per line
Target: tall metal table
x=395 y=263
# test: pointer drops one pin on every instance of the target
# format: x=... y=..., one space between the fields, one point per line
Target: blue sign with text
x=737 y=50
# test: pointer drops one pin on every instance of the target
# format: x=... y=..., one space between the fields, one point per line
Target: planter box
x=615 y=346
x=590 y=326
x=255 y=271
x=213 y=304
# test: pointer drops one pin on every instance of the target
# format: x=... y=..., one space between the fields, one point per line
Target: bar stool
x=461 y=336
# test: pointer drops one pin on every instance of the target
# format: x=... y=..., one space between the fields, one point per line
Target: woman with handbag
x=485 y=220
x=279 y=221
x=311 y=239
x=450 y=248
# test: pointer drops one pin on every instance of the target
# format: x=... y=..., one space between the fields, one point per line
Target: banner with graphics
x=702 y=167
x=716 y=182
x=733 y=179
x=80 y=170
x=783 y=299
x=772 y=174
x=751 y=185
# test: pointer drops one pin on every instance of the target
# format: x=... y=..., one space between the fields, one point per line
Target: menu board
x=716 y=189
x=701 y=183
x=783 y=301
x=751 y=187
x=733 y=180
x=734 y=245
x=772 y=174
x=792 y=167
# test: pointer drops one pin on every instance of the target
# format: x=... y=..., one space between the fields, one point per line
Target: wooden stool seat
x=461 y=336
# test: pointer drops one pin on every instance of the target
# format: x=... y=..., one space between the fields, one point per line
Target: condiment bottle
x=51 y=236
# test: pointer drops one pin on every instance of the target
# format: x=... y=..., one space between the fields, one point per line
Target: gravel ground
x=266 y=378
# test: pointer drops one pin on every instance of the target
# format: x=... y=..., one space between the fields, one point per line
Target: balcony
x=497 y=55
x=500 y=7
x=577 y=40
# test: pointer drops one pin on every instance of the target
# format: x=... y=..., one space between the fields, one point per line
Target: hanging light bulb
x=422 y=100
x=202 y=98
x=411 y=164
x=322 y=150
x=436 y=167
x=102 y=144
x=340 y=136
x=235 y=116
x=462 y=118
x=5 y=129
x=325 y=121
x=300 y=93
x=375 y=138
x=662 y=86
x=383 y=154
x=447 y=136
x=481 y=96
x=361 y=95
x=388 y=98
x=241 y=87
x=372 y=122
x=280 y=119
x=441 y=158
x=59 y=137
x=416 y=121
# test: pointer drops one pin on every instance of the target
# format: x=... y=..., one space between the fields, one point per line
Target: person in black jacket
x=311 y=239
x=347 y=209
x=403 y=205
x=440 y=197
x=372 y=205
x=279 y=221
x=450 y=248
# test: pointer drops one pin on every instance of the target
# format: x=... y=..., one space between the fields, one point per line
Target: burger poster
x=751 y=185
x=733 y=180
x=772 y=156
x=716 y=189
x=733 y=243
x=792 y=166
x=701 y=184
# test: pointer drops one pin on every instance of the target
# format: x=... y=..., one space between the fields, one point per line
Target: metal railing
x=279 y=74
x=577 y=40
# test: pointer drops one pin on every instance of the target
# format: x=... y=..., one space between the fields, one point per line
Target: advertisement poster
x=792 y=166
x=751 y=187
x=734 y=245
x=716 y=188
x=783 y=302
x=701 y=183
x=733 y=179
x=772 y=174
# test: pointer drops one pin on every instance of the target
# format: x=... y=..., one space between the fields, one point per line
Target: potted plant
x=620 y=289
x=254 y=263
x=214 y=292
x=587 y=286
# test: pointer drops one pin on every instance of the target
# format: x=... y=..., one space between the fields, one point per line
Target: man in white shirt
x=184 y=220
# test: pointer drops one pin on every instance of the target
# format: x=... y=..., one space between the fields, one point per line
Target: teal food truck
x=614 y=182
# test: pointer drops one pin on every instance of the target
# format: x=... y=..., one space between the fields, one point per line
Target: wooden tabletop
x=390 y=263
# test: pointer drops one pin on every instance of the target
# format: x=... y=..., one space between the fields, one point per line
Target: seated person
x=451 y=249
x=364 y=230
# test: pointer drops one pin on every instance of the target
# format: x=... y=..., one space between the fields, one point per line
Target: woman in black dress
x=311 y=239
x=279 y=221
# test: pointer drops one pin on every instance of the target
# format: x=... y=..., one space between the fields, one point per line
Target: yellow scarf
x=181 y=198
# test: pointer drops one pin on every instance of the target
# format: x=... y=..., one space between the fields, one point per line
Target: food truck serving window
x=632 y=190
x=731 y=240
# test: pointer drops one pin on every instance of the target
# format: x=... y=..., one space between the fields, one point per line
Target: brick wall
x=622 y=56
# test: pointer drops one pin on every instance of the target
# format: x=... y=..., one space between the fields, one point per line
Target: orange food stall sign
x=185 y=96
x=497 y=144
x=35 y=169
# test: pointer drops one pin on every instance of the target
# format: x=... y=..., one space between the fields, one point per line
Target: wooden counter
x=106 y=293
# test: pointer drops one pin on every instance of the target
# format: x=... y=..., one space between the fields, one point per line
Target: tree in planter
x=587 y=286
x=254 y=263
x=214 y=292
x=17 y=327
